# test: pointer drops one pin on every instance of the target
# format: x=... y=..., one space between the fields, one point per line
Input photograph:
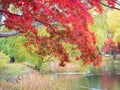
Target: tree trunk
x=114 y=54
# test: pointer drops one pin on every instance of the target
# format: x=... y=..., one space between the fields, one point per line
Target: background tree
x=109 y=47
x=100 y=27
x=113 y=20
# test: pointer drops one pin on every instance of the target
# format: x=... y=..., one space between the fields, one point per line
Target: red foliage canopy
x=109 y=46
x=71 y=15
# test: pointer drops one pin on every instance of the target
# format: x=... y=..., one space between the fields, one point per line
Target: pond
x=92 y=82
x=107 y=79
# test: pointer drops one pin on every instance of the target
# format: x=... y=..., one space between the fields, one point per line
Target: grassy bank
x=34 y=82
x=11 y=71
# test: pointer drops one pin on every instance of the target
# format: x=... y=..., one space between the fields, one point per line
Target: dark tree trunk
x=114 y=54
x=12 y=59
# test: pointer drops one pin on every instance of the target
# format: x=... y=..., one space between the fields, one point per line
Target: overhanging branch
x=90 y=6
x=109 y=6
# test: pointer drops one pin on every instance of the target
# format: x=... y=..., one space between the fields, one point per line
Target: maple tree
x=109 y=46
x=64 y=20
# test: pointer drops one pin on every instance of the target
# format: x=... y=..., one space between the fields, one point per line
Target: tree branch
x=117 y=2
x=88 y=4
x=8 y=34
x=2 y=25
x=109 y=6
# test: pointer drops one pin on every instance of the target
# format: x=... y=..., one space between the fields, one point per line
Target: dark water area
x=93 y=82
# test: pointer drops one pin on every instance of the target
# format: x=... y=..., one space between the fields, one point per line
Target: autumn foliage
x=65 y=21
x=109 y=46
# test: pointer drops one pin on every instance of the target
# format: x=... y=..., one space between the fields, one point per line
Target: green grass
x=8 y=70
x=11 y=71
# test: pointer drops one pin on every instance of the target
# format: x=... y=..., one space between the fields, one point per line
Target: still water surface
x=109 y=79
x=92 y=82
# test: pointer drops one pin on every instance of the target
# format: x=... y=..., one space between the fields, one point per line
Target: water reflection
x=110 y=82
x=94 y=82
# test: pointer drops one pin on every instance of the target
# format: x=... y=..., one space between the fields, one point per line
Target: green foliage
x=100 y=28
x=38 y=63
x=42 y=31
x=42 y=61
x=13 y=46
x=70 y=49
x=113 y=19
x=116 y=37
x=3 y=60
